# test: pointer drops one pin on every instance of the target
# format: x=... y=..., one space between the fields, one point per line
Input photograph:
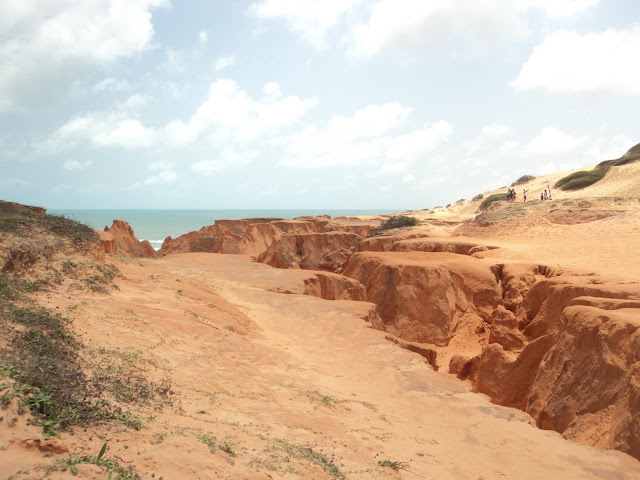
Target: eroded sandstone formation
x=425 y=297
x=562 y=348
x=120 y=240
x=579 y=373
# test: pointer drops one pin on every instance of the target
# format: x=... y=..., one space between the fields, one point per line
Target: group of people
x=511 y=194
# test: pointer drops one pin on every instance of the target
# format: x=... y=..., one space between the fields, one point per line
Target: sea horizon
x=156 y=225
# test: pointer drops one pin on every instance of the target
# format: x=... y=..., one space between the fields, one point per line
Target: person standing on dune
x=524 y=194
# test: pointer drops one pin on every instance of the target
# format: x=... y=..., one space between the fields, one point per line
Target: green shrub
x=583 y=178
x=399 y=221
x=627 y=159
x=523 y=179
x=480 y=196
x=496 y=197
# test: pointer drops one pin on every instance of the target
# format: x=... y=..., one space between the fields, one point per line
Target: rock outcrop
x=308 y=251
x=425 y=297
x=580 y=374
x=122 y=241
x=264 y=238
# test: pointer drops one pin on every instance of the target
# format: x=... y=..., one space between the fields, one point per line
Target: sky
x=323 y=104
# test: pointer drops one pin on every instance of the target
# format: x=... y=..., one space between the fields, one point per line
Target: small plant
x=477 y=198
x=399 y=221
x=228 y=448
x=208 y=440
x=301 y=452
x=110 y=466
x=326 y=400
x=393 y=465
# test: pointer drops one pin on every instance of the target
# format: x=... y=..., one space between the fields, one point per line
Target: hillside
x=476 y=345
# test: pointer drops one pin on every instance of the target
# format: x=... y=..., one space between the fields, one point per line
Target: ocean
x=156 y=225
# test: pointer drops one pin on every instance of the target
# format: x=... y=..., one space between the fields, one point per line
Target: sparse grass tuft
x=115 y=471
x=478 y=197
x=21 y=221
x=487 y=218
x=301 y=452
x=326 y=400
x=394 y=465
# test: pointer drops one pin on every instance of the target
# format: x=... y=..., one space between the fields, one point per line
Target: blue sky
x=381 y=104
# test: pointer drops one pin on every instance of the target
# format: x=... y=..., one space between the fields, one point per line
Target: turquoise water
x=156 y=225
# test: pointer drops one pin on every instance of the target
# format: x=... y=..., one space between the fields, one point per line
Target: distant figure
x=524 y=194
x=545 y=195
x=541 y=196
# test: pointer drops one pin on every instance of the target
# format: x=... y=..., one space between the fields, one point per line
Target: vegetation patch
x=20 y=221
x=393 y=465
x=585 y=178
x=523 y=179
x=209 y=441
x=42 y=357
x=326 y=400
x=488 y=218
x=399 y=221
x=478 y=197
x=111 y=467
x=305 y=453
x=496 y=197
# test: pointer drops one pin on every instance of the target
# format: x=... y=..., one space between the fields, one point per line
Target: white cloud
x=76 y=165
x=272 y=89
x=366 y=138
x=223 y=63
x=203 y=37
x=13 y=181
x=608 y=149
x=372 y=121
x=411 y=28
x=125 y=133
x=568 y=62
x=560 y=8
x=230 y=115
x=416 y=27
x=112 y=84
x=99 y=130
x=58 y=41
x=310 y=19
x=495 y=130
x=551 y=141
x=162 y=178
x=134 y=103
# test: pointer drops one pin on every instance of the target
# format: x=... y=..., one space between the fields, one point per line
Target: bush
x=480 y=196
x=399 y=221
x=583 y=178
x=523 y=179
x=627 y=159
x=496 y=197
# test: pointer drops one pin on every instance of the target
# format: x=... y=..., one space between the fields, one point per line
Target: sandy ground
x=269 y=373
